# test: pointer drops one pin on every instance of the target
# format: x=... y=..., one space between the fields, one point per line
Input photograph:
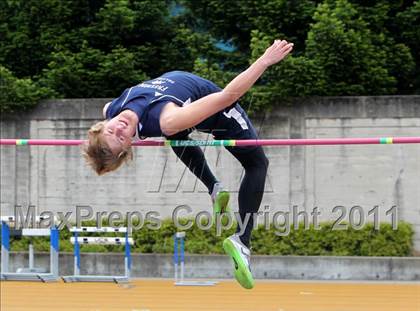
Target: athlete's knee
x=258 y=162
x=263 y=161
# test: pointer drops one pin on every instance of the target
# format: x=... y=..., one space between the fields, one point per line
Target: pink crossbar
x=258 y=142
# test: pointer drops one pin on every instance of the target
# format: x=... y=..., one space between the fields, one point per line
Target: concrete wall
x=56 y=178
x=220 y=267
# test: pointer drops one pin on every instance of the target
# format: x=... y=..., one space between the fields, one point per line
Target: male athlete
x=175 y=104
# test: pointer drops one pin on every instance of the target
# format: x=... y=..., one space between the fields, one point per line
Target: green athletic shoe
x=241 y=256
x=220 y=199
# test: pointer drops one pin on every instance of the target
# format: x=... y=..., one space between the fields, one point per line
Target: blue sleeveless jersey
x=148 y=98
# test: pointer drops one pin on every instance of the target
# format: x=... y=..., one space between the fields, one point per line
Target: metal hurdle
x=77 y=240
x=179 y=264
x=31 y=273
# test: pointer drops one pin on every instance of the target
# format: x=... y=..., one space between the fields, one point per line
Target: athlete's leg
x=251 y=189
x=194 y=159
x=235 y=124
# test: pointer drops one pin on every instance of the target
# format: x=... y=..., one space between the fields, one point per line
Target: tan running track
x=153 y=295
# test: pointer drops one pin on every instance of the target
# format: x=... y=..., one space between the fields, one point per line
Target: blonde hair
x=98 y=154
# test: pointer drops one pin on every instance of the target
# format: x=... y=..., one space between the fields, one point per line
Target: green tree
x=91 y=72
x=407 y=31
x=32 y=29
x=384 y=24
x=19 y=94
x=373 y=26
x=234 y=20
x=83 y=48
x=295 y=76
x=342 y=44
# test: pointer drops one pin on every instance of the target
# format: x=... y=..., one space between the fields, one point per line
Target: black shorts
x=230 y=123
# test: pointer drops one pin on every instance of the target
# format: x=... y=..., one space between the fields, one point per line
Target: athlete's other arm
x=174 y=119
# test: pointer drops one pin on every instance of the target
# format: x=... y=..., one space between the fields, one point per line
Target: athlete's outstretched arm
x=174 y=119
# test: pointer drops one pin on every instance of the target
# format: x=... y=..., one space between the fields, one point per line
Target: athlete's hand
x=276 y=52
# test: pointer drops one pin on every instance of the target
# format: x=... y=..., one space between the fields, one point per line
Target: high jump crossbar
x=229 y=142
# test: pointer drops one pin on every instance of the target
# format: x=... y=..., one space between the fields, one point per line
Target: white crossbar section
x=36 y=232
x=101 y=240
x=102 y=229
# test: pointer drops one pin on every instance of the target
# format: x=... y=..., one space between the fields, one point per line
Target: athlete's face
x=119 y=130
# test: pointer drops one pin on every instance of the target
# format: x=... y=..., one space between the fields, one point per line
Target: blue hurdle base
x=41 y=277
x=95 y=278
